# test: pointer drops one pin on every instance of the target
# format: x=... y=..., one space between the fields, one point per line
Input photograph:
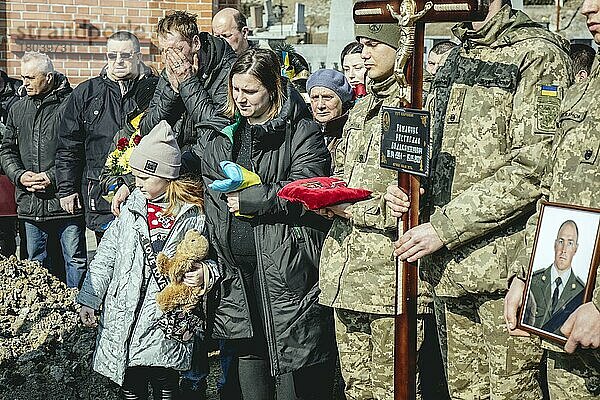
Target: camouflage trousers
x=366 y=347
x=481 y=360
x=574 y=376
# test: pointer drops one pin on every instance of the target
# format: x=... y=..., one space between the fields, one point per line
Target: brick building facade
x=73 y=32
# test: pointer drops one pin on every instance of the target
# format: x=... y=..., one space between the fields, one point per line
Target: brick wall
x=73 y=32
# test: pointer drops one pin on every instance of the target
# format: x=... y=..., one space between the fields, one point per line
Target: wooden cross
x=411 y=16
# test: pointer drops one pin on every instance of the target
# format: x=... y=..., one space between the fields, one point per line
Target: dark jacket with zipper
x=299 y=331
x=29 y=144
x=195 y=111
x=96 y=111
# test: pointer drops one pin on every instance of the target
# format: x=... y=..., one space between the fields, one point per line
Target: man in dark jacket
x=9 y=94
x=231 y=25
x=28 y=154
x=192 y=89
x=96 y=111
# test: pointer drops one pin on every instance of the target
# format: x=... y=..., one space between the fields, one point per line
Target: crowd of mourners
x=300 y=301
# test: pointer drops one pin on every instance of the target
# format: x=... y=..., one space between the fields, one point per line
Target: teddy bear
x=192 y=249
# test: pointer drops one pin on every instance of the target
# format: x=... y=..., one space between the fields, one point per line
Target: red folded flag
x=322 y=191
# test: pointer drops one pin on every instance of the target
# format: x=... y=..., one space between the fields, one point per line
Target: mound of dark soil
x=44 y=352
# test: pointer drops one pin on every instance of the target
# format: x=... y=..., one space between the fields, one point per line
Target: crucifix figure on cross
x=407 y=18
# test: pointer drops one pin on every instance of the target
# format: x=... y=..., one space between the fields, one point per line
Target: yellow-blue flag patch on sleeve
x=549 y=90
x=547 y=108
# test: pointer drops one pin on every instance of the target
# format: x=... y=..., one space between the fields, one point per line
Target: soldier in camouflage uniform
x=573 y=177
x=357 y=270
x=494 y=109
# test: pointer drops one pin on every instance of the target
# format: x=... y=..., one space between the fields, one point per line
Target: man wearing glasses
x=95 y=112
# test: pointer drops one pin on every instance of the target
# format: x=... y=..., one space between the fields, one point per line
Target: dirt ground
x=44 y=353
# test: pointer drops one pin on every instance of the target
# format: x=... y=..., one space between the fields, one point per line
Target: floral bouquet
x=117 y=162
x=116 y=169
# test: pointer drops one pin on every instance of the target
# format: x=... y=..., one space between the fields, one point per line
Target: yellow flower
x=124 y=160
x=111 y=158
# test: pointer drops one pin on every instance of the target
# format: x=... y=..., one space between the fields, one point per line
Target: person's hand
x=324 y=212
x=396 y=200
x=42 y=182
x=29 y=179
x=195 y=278
x=179 y=68
x=87 y=316
x=417 y=242
x=582 y=328
x=341 y=210
x=118 y=199
x=71 y=203
x=233 y=201
x=45 y=180
x=512 y=302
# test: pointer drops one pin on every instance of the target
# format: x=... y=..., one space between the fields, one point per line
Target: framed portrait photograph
x=562 y=268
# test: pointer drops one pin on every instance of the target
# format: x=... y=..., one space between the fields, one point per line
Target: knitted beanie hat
x=384 y=33
x=158 y=153
x=331 y=79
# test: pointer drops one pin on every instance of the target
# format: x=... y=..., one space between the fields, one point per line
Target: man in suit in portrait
x=556 y=291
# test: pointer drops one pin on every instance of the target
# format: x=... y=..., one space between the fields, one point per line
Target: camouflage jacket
x=357 y=269
x=573 y=175
x=494 y=115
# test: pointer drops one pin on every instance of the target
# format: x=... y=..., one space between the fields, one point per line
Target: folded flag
x=320 y=192
x=238 y=178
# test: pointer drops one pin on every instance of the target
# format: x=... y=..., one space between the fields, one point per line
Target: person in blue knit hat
x=330 y=100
